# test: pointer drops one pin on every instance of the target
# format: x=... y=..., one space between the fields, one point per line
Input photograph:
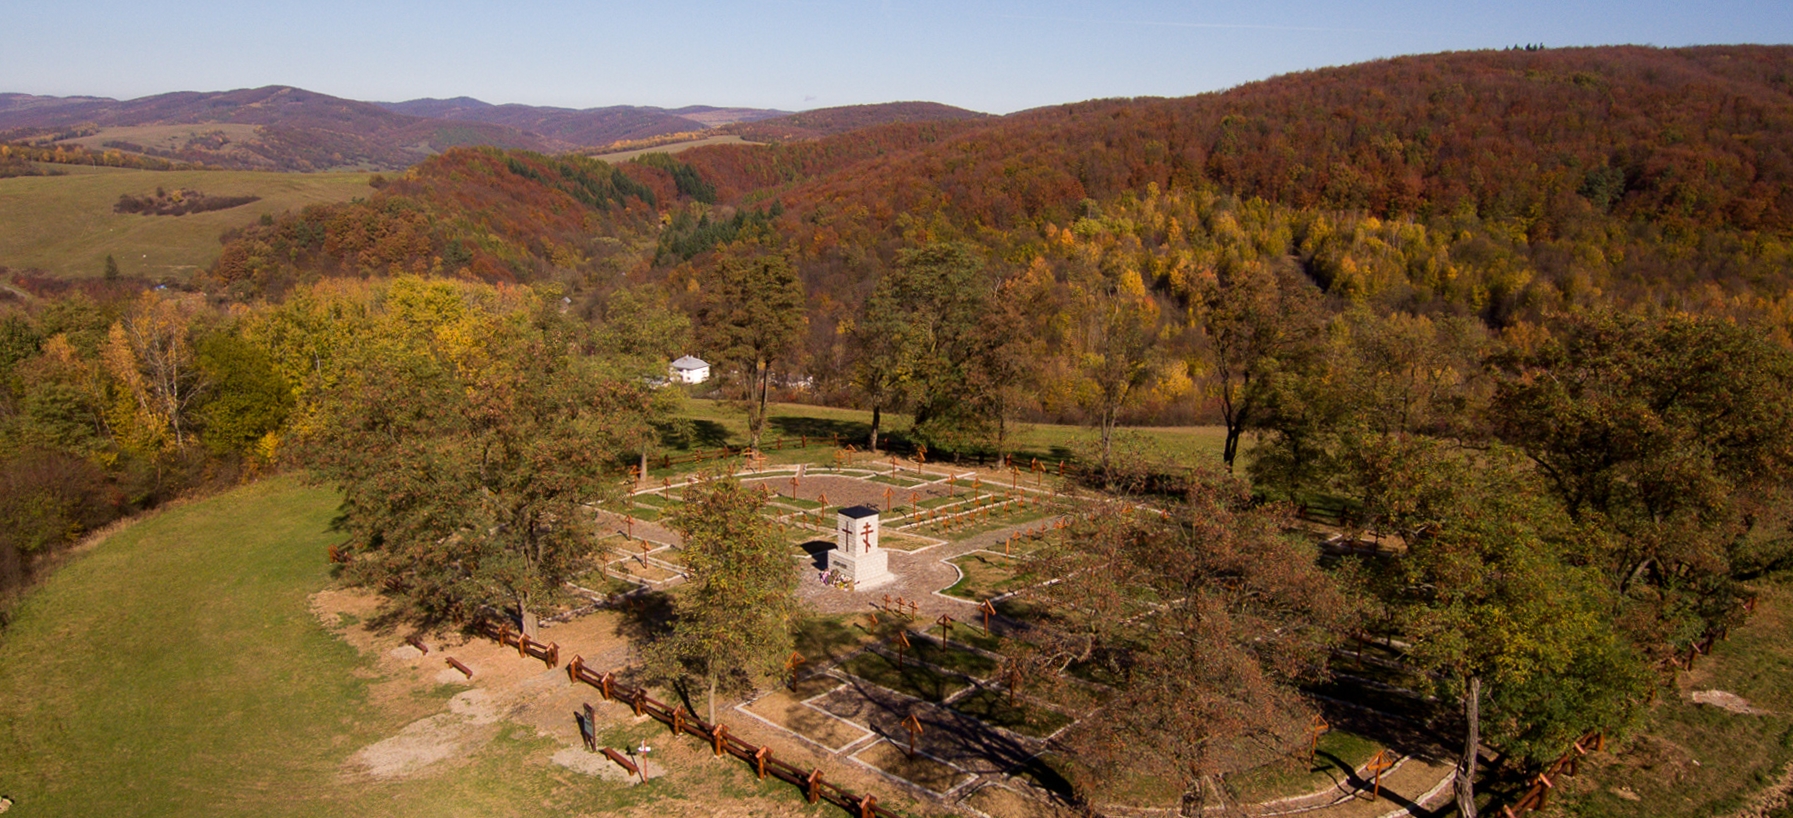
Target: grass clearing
x=1690 y=759
x=177 y=669
x=986 y=575
x=717 y=422
x=65 y=226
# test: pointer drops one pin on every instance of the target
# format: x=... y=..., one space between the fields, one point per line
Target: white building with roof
x=690 y=370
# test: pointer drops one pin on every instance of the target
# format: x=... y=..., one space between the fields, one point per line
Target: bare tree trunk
x=712 y=697
x=877 y=416
x=758 y=419
x=643 y=475
x=1466 y=768
x=526 y=618
x=1108 y=419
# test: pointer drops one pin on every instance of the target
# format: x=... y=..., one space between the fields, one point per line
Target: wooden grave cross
x=902 y=643
x=1316 y=727
x=988 y=609
x=1378 y=765
x=887 y=494
x=913 y=725
x=790 y=668
x=913 y=612
x=793 y=488
x=946 y=624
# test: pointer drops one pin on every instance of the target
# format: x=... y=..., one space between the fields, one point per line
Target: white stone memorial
x=856 y=556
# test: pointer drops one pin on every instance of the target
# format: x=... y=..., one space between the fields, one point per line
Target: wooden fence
x=527 y=648
x=1568 y=764
x=812 y=783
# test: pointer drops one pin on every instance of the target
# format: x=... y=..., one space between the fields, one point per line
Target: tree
x=921 y=338
x=111 y=268
x=249 y=402
x=468 y=434
x=1117 y=351
x=750 y=316
x=1490 y=600
x=1258 y=323
x=732 y=619
x=149 y=352
x=640 y=331
x=1323 y=418
x=1669 y=438
x=1203 y=622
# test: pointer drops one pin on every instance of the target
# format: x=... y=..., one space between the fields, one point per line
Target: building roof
x=689 y=362
x=859 y=512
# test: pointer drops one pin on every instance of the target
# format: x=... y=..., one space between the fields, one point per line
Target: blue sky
x=997 y=56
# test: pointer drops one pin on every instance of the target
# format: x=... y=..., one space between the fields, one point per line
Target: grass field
x=1690 y=759
x=65 y=226
x=673 y=147
x=717 y=422
x=177 y=669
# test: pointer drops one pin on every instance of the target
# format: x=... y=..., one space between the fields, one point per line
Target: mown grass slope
x=65 y=225
x=177 y=669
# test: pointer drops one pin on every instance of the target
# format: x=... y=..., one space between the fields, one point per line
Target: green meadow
x=65 y=225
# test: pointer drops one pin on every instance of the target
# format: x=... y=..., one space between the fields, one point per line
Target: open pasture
x=65 y=225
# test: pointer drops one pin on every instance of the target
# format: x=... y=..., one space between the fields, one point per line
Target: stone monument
x=856 y=556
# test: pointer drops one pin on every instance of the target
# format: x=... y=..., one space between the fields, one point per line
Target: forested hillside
x=1503 y=185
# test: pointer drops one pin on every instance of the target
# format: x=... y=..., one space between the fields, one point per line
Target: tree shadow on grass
x=693 y=434
x=646 y=617
x=948 y=734
x=850 y=431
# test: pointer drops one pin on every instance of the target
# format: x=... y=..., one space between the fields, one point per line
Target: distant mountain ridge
x=823 y=122
x=582 y=127
x=281 y=127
